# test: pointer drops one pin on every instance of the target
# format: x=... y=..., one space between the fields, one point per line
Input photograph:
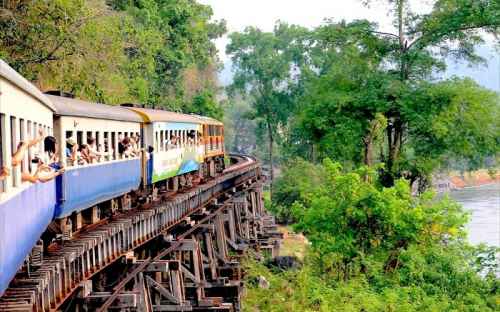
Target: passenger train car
x=172 y=149
x=25 y=209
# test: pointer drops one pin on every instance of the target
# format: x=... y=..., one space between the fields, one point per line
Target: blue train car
x=26 y=208
x=101 y=129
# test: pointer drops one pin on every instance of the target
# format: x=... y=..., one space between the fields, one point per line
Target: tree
x=264 y=64
x=372 y=248
x=114 y=51
x=168 y=38
x=368 y=91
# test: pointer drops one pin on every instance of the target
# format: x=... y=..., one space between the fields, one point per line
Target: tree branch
x=459 y=29
x=384 y=33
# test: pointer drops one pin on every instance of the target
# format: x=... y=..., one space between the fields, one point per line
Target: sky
x=311 y=13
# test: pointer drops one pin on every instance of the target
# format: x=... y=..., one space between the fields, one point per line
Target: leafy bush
x=377 y=249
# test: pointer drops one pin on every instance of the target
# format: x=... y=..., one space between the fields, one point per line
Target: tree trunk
x=367 y=157
x=271 y=167
x=394 y=142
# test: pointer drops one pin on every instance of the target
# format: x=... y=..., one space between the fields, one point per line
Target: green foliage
x=375 y=249
x=361 y=96
x=204 y=103
x=264 y=63
x=115 y=51
x=295 y=185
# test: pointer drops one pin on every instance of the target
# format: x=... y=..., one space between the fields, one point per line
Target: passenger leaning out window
x=94 y=154
x=71 y=152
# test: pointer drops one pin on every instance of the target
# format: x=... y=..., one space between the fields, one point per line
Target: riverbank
x=456 y=181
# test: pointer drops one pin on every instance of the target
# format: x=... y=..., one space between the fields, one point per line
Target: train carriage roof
x=65 y=106
x=22 y=83
x=155 y=115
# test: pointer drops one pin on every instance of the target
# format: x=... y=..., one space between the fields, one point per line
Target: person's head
x=125 y=141
x=84 y=147
x=90 y=141
x=49 y=144
x=70 y=143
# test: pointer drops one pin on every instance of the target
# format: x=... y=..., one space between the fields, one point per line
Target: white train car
x=26 y=208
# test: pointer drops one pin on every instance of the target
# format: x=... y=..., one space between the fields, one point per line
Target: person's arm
x=26 y=177
x=18 y=156
x=38 y=139
x=4 y=172
x=50 y=176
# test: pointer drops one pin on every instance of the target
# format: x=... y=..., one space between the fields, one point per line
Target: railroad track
x=179 y=254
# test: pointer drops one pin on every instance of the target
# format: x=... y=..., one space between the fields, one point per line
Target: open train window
x=97 y=140
x=79 y=138
x=89 y=135
x=156 y=141
x=114 y=146
x=14 y=141
x=105 y=144
x=22 y=138
x=3 y=149
x=162 y=140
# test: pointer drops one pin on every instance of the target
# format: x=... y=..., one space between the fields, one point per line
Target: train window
x=114 y=146
x=105 y=146
x=162 y=140
x=168 y=139
x=156 y=141
x=65 y=145
x=22 y=138
x=79 y=138
x=97 y=140
x=14 y=140
x=3 y=149
x=30 y=134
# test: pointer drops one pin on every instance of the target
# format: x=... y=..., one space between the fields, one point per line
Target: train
x=172 y=151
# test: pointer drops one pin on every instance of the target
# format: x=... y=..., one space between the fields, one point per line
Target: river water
x=484 y=204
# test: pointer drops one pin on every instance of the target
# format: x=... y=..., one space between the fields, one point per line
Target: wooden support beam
x=163 y=291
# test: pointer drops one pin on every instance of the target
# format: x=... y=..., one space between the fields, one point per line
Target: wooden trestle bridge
x=176 y=253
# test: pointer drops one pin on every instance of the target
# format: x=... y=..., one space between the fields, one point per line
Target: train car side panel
x=169 y=161
x=25 y=208
x=23 y=219
x=86 y=186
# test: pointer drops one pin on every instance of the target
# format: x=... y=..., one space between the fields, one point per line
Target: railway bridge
x=177 y=252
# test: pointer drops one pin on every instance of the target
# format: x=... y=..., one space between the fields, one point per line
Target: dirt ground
x=293 y=244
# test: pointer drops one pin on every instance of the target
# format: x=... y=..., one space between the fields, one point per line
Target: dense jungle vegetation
x=374 y=103
x=158 y=53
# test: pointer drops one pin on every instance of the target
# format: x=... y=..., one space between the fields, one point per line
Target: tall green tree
x=372 y=95
x=265 y=64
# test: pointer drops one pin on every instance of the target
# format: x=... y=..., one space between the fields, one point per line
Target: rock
x=263 y=283
x=284 y=263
